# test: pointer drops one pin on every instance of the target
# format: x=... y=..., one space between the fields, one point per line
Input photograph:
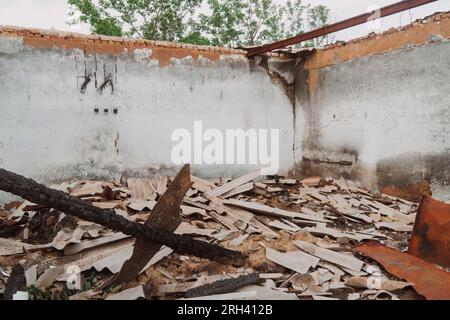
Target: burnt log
x=223 y=286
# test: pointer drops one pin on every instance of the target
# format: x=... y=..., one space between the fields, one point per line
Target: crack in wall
x=288 y=89
x=278 y=79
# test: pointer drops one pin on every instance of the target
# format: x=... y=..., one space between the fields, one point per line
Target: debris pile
x=257 y=237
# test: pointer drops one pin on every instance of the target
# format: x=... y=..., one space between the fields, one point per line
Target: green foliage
x=206 y=22
x=35 y=293
x=99 y=21
x=149 y=19
x=318 y=17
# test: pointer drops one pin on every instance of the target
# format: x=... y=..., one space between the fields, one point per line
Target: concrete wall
x=378 y=109
x=50 y=131
x=375 y=109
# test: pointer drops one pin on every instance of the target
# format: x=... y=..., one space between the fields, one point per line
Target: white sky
x=53 y=14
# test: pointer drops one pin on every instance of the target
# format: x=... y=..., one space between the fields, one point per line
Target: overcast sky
x=53 y=14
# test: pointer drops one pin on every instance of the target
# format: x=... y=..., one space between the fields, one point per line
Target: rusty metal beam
x=345 y=24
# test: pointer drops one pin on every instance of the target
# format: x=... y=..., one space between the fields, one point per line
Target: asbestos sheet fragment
x=297 y=261
x=428 y=280
x=115 y=262
x=256 y=207
x=269 y=292
x=67 y=236
x=129 y=294
x=311 y=182
x=30 y=275
x=234 y=184
x=10 y=247
x=377 y=283
x=340 y=259
x=399 y=227
x=142 y=189
x=141 y=205
x=48 y=277
x=75 y=248
x=241 y=189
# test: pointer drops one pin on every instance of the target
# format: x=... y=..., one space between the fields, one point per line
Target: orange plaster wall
x=161 y=51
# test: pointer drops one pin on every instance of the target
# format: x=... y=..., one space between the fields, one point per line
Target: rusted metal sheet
x=428 y=280
x=165 y=216
x=345 y=24
x=430 y=240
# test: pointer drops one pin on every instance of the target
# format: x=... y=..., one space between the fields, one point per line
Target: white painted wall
x=49 y=130
x=391 y=109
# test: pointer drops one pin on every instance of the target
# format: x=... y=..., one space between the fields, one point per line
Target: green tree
x=318 y=17
x=256 y=22
x=217 y=22
x=222 y=24
x=148 y=19
x=250 y=22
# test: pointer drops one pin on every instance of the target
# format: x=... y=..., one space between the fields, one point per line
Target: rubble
x=294 y=240
x=56 y=199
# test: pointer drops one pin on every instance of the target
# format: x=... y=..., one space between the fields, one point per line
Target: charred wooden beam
x=165 y=217
x=223 y=286
x=16 y=282
x=182 y=244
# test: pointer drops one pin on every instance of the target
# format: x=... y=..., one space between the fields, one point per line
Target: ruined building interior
x=364 y=132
